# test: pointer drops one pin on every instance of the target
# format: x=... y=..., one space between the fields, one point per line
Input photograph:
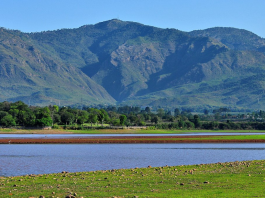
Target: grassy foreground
x=244 y=179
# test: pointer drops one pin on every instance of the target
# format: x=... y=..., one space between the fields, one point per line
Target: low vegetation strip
x=119 y=131
x=230 y=179
x=138 y=139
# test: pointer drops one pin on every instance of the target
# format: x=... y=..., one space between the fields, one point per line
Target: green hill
x=131 y=63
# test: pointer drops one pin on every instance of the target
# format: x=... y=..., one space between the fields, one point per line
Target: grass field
x=236 y=179
x=121 y=131
x=158 y=131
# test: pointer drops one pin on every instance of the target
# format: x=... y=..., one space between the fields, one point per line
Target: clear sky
x=185 y=15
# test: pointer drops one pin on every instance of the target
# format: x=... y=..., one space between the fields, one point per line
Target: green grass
x=159 y=131
x=125 y=131
x=6 y=130
x=237 y=179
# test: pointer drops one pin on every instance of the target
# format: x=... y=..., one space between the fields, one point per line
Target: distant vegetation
x=126 y=63
x=22 y=115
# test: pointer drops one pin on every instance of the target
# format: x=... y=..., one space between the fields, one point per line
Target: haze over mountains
x=123 y=62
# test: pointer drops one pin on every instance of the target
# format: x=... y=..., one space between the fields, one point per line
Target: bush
x=55 y=126
x=151 y=128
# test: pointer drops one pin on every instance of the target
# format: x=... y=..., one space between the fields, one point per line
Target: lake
x=25 y=159
x=8 y=136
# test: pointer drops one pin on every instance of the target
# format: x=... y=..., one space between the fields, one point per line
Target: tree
x=123 y=118
x=67 y=117
x=154 y=119
x=103 y=116
x=44 y=121
x=43 y=112
x=14 y=113
x=82 y=117
x=171 y=119
x=147 y=117
x=8 y=120
x=56 y=118
x=27 y=118
x=190 y=125
x=147 y=110
x=132 y=118
x=5 y=106
x=92 y=118
x=94 y=114
x=160 y=112
x=115 y=122
x=182 y=124
x=197 y=122
x=53 y=109
x=3 y=114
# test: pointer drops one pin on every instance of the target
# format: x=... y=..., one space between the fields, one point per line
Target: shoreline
x=119 y=131
x=131 y=140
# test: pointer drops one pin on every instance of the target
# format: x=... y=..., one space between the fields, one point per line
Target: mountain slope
x=131 y=63
x=236 y=39
x=29 y=74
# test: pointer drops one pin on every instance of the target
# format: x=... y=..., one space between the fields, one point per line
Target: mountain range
x=128 y=63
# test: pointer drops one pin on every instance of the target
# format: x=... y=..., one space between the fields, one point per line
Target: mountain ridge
x=117 y=62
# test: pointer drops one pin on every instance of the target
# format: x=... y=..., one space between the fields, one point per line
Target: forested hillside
x=115 y=62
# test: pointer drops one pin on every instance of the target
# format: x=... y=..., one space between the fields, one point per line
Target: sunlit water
x=6 y=136
x=52 y=158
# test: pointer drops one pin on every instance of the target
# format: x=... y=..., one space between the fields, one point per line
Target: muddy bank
x=127 y=140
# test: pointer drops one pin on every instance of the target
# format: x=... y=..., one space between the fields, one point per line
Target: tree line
x=20 y=114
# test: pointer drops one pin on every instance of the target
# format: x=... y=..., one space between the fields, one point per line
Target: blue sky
x=185 y=15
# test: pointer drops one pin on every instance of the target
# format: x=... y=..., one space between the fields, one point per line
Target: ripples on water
x=53 y=158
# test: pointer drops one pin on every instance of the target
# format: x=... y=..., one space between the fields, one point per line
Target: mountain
x=115 y=62
x=31 y=75
x=235 y=39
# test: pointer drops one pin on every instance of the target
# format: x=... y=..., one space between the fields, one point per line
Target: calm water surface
x=52 y=158
x=91 y=135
